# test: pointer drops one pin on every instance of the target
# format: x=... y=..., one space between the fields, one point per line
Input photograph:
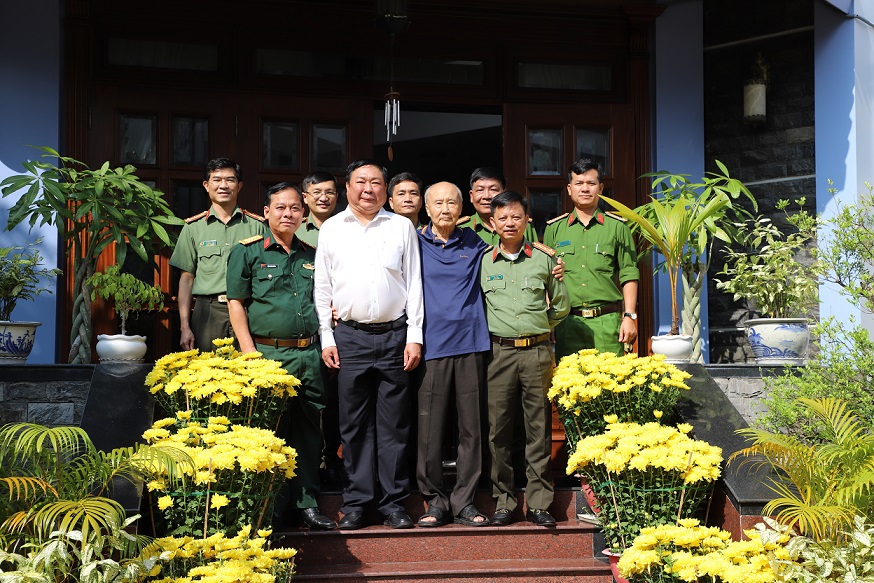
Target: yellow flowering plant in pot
x=589 y=385
x=687 y=551
x=244 y=388
x=645 y=474
x=238 y=470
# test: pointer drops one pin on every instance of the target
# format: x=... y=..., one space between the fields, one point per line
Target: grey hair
x=457 y=191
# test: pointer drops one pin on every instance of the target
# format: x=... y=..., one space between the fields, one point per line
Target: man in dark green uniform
x=405 y=196
x=270 y=299
x=485 y=184
x=524 y=302
x=601 y=270
x=320 y=195
x=201 y=253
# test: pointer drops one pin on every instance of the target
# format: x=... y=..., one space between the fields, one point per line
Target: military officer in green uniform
x=270 y=299
x=201 y=253
x=485 y=184
x=601 y=270
x=320 y=195
x=524 y=302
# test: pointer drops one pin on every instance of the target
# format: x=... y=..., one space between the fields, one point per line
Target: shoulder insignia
x=617 y=217
x=558 y=218
x=250 y=240
x=545 y=248
x=462 y=220
x=197 y=217
x=304 y=244
x=253 y=215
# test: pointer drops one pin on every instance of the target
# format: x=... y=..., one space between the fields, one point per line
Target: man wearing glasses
x=201 y=254
x=320 y=195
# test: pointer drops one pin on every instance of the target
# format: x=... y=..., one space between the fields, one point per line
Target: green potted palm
x=680 y=223
x=93 y=209
x=22 y=277
x=767 y=271
x=128 y=294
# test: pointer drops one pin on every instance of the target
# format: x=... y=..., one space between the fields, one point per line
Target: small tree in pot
x=21 y=276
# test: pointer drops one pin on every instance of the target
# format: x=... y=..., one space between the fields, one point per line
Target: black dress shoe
x=501 y=517
x=399 y=519
x=540 y=517
x=316 y=520
x=352 y=521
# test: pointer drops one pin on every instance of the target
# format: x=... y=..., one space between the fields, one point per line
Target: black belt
x=599 y=311
x=285 y=342
x=220 y=298
x=524 y=342
x=377 y=327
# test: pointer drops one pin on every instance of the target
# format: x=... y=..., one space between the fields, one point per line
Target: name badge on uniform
x=562 y=244
x=269 y=266
x=212 y=243
x=492 y=277
x=309 y=266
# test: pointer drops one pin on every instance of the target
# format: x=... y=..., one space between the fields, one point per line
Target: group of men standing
x=366 y=306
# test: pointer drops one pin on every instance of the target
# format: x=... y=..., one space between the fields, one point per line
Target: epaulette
x=462 y=220
x=253 y=215
x=545 y=248
x=250 y=240
x=197 y=217
x=304 y=244
x=617 y=217
x=558 y=218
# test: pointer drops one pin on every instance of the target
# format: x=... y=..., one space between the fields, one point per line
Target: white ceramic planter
x=16 y=341
x=118 y=347
x=779 y=340
x=677 y=348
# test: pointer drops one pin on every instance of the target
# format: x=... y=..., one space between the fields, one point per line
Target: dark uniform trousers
x=209 y=321
x=465 y=372
x=300 y=425
x=520 y=375
x=375 y=412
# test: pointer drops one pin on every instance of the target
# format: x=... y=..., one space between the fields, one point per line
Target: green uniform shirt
x=308 y=232
x=204 y=245
x=516 y=292
x=598 y=258
x=277 y=287
x=487 y=234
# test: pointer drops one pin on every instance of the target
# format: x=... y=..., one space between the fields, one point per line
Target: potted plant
x=92 y=209
x=680 y=222
x=768 y=273
x=21 y=277
x=128 y=294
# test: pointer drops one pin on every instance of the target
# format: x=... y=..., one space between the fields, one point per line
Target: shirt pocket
x=210 y=260
x=391 y=257
x=534 y=287
x=568 y=257
x=602 y=259
x=266 y=281
x=494 y=286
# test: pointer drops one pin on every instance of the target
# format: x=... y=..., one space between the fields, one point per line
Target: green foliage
x=820 y=487
x=681 y=220
x=92 y=209
x=20 y=276
x=766 y=271
x=53 y=480
x=851 y=560
x=126 y=291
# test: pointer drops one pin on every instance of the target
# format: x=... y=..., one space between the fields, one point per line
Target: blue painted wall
x=30 y=104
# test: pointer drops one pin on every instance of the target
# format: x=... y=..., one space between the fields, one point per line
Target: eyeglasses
x=321 y=193
x=217 y=180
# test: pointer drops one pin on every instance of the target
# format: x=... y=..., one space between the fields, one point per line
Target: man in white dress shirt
x=368 y=269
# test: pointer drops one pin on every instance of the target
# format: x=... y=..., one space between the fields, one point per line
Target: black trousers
x=375 y=418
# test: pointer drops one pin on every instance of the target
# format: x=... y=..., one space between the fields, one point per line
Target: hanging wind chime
x=392 y=18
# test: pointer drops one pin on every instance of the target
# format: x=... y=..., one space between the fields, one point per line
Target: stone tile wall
x=48 y=395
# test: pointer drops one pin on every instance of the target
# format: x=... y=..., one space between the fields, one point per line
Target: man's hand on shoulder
x=558 y=270
x=331 y=357
x=412 y=356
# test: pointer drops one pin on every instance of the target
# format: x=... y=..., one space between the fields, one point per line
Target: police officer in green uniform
x=320 y=195
x=601 y=270
x=524 y=302
x=485 y=184
x=201 y=254
x=270 y=299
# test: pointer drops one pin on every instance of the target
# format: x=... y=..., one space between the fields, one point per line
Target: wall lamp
x=755 y=90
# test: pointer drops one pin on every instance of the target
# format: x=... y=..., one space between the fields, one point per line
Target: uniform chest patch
x=212 y=243
x=308 y=266
x=494 y=277
x=560 y=244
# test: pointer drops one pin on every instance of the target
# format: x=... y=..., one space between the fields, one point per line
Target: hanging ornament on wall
x=391 y=17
